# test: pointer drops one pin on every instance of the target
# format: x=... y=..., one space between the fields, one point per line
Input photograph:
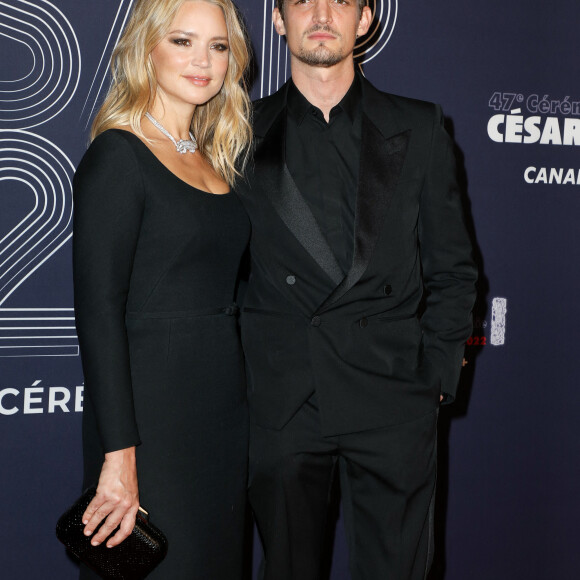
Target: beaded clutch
x=132 y=559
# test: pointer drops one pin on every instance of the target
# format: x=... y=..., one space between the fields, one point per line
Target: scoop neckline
x=169 y=170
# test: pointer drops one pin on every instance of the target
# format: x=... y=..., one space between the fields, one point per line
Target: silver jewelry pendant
x=183 y=145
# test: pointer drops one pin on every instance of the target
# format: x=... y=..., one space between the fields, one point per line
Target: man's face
x=321 y=33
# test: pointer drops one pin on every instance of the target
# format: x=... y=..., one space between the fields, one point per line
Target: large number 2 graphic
x=35 y=174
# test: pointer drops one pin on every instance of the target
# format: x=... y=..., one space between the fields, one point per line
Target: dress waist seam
x=231 y=310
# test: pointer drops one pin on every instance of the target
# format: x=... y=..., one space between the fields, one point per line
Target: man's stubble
x=321 y=56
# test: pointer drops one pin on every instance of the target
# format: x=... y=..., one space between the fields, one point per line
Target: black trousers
x=387 y=479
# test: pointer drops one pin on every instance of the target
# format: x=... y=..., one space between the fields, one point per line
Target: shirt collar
x=351 y=103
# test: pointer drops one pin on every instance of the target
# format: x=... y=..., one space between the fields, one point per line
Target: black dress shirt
x=323 y=159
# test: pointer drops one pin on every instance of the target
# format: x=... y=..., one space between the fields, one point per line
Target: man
x=355 y=211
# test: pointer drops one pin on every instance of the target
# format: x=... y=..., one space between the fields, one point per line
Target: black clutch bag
x=132 y=559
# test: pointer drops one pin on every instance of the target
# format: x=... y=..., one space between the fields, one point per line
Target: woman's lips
x=198 y=80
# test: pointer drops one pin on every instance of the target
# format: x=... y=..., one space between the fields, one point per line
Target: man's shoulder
x=376 y=102
x=266 y=109
x=401 y=106
x=271 y=102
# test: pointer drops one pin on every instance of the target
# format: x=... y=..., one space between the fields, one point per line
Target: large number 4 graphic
x=35 y=174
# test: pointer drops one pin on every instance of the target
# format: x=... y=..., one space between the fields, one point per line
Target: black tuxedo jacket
x=356 y=340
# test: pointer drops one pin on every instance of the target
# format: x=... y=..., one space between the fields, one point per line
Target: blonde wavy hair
x=221 y=126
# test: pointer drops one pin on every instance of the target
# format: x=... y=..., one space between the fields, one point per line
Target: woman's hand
x=117 y=499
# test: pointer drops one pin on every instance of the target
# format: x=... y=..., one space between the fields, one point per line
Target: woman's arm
x=108 y=207
x=109 y=200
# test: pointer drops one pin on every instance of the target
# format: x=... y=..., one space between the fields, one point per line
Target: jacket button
x=291 y=280
x=387 y=290
x=316 y=321
x=363 y=322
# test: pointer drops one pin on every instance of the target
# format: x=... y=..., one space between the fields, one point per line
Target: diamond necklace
x=183 y=145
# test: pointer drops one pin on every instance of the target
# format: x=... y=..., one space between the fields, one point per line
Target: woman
x=158 y=239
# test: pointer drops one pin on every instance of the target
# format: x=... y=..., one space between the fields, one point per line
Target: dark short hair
x=280 y=5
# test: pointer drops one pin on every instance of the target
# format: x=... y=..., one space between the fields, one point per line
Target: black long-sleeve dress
x=155 y=269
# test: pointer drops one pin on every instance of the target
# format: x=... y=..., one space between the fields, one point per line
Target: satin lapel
x=273 y=177
x=380 y=166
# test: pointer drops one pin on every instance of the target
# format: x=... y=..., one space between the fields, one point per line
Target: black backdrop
x=507 y=75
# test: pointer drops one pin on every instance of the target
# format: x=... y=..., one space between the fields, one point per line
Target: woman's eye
x=220 y=47
x=181 y=41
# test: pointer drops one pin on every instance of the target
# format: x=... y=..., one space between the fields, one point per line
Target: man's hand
x=117 y=499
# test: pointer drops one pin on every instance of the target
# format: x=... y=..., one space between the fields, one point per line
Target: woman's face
x=191 y=61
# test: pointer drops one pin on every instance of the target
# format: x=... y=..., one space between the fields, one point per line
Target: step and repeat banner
x=506 y=74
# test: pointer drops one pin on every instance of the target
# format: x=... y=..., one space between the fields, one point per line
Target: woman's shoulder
x=113 y=153
x=114 y=147
x=118 y=139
